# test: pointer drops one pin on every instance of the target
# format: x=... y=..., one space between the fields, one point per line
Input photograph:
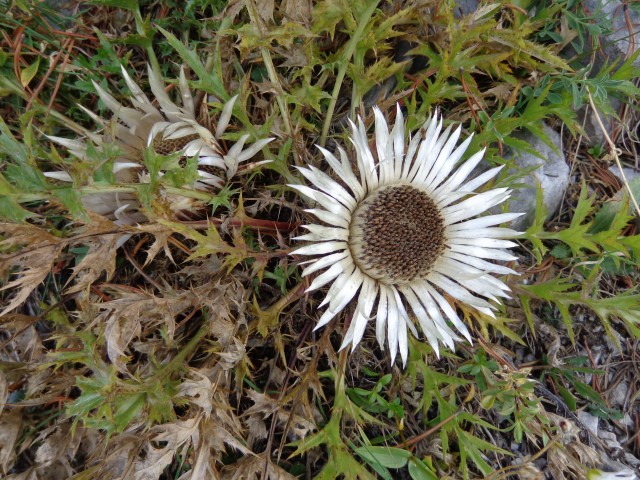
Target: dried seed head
x=397 y=234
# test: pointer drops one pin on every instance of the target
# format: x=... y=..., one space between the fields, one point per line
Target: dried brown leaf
x=204 y=465
x=233 y=354
x=33 y=252
x=100 y=258
x=176 y=433
x=218 y=437
x=10 y=423
x=231 y=11
x=120 y=330
x=298 y=11
x=199 y=390
x=132 y=309
x=161 y=242
x=265 y=10
x=58 y=445
x=131 y=457
x=19 y=235
x=502 y=91
x=265 y=406
x=24 y=343
x=251 y=467
x=150 y=466
x=570 y=458
x=29 y=474
x=257 y=429
x=3 y=391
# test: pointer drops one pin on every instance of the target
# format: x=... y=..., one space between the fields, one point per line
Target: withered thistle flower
x=168 y=129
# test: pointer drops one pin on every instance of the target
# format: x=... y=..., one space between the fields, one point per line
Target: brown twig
x=255 y=223
x=614 y=153
x=413 y=440
x=45 y=78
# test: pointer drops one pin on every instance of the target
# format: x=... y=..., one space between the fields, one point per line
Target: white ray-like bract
x=619 y=475
x=401 y=235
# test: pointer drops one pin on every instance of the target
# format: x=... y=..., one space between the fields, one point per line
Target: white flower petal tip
x=61 y=175
x=225 y=116
x=403 y=234
x=238 y=154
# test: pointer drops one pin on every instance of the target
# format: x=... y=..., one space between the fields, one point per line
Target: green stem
x=97 y=189
x=363 y=21
x=178 y=361
x=273 y=75
x=155 y=65
x=47 y=194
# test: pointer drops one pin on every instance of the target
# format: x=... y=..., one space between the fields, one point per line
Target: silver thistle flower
x=168 y=129
x=404 y=233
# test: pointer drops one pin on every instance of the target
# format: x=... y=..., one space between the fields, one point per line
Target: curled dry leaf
x=209 y=445
x=265 y=406
x=233 y=354
x=256 y=429
x=253 y=467
x=131 y=455
x=569 y=458
x=58 y=447
x=23 y=341
x=199 y=390
x=33 y=252
x=133 y=311
x=298 y=11
x=100 y=258
x=175 y=435
x=161 y=241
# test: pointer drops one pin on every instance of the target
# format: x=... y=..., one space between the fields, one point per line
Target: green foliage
x=510 y=394
x=588 y=247
x=373 y=402
x=566 y=293
x=299 y=74
x=567 y=379
x=109 y=403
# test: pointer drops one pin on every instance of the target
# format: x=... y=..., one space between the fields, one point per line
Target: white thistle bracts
x=167 y=128
x=402 y=232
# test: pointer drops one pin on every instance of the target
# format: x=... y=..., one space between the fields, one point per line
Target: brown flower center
x=165 y=147
x=397 y=233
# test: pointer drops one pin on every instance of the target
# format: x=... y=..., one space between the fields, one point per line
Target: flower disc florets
x=397 y=234
x=404 y=233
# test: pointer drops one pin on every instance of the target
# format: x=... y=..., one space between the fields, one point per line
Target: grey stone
x=627 y=421
x=629 y=173
x=588 y=118
x=618 y=395
x=465 y=7
x=624 y=39
x=552 y=174
x=631 y=459
x=609 y=439
x=589 y=421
